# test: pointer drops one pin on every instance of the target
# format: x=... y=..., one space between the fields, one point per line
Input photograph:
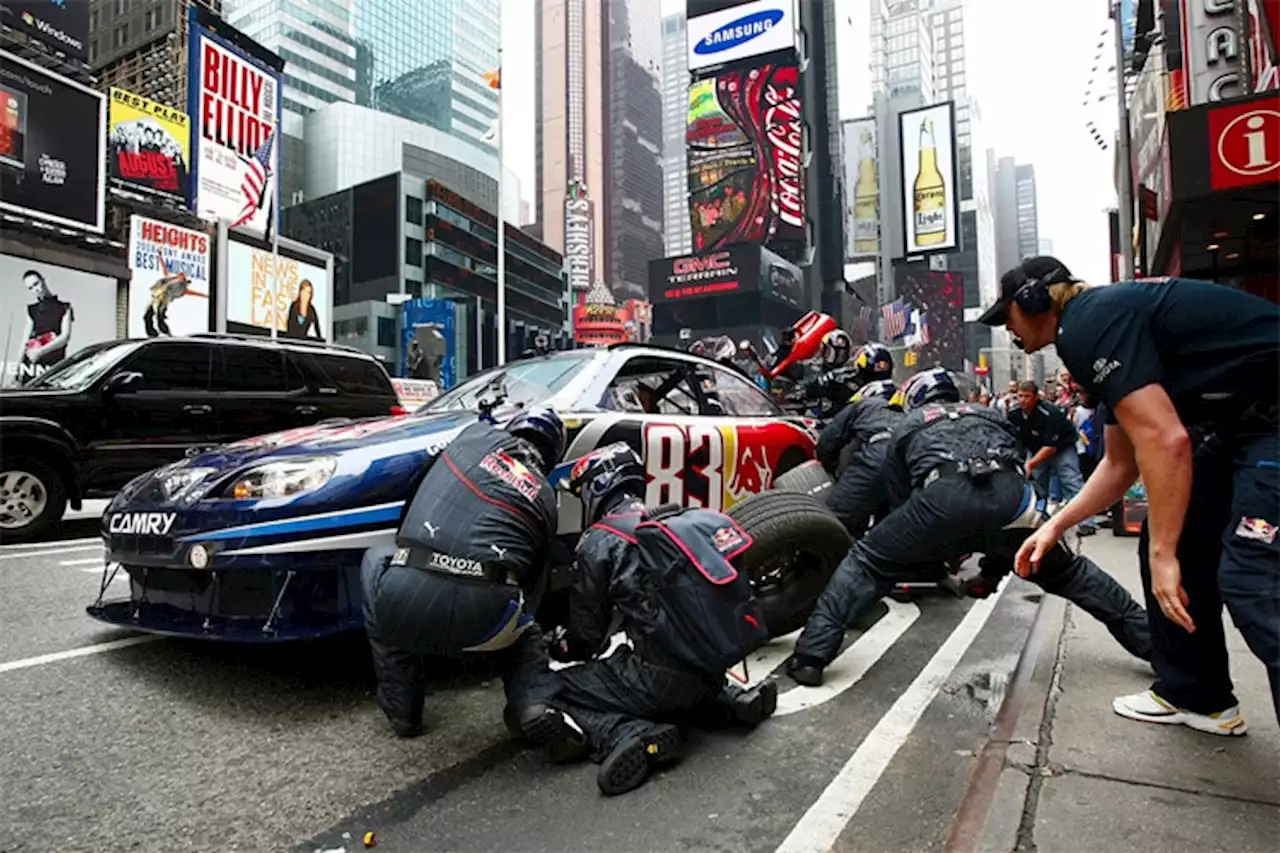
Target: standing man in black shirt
x=1188 y=371
x=1050 y=437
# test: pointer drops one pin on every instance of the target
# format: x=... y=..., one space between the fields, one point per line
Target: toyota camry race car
x=261 y=540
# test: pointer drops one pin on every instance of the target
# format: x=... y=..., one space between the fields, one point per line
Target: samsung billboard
x=740 y=32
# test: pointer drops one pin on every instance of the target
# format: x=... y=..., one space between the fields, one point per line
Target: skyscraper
x=142 y=47
x=599 y=121
x=677 y=232
x=1016 y=217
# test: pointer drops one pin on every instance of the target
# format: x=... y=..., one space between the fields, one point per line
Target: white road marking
x=83 y=651
x=827 y=818
x=27 y=555
x=92 y=561
x=52 y=546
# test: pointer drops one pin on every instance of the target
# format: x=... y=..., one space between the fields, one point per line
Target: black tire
x=797 y=544
x=809 y=479
x=49 y=483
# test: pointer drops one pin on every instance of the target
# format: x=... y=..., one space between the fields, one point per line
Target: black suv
x=116 y=410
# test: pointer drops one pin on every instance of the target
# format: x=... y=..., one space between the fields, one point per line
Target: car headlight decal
x=281 y=479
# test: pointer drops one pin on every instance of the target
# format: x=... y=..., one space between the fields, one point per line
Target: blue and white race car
x=261 y=540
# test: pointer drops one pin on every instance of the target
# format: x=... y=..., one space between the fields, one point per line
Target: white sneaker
x=1150 y=708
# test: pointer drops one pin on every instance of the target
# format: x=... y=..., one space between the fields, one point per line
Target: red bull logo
x=752 y=472
x=1256 y=529
x=512 y=472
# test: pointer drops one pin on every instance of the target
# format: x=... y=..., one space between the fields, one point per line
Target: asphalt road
x=111 y=741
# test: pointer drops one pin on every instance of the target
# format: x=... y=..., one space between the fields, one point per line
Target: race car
x=261 y=540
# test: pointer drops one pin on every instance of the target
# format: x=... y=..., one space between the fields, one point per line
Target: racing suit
x=859 y=436
x=631 y=692
x=831 y=389
x=467 y=574
x=947 y=505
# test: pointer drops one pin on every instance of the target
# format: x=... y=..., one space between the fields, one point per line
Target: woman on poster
x=303 y=321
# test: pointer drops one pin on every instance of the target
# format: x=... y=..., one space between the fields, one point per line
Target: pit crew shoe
x=406 y=728
x=1149 y=708
x=752 y=707
x=563 y=738
x=804 y=671
x=630 y=763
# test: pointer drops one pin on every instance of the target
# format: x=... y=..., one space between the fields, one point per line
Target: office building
x=1016 y=219
x=141 y=46
x=677 y=232
x=408 y=234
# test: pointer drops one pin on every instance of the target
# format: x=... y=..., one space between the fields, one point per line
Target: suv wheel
x=32 y=499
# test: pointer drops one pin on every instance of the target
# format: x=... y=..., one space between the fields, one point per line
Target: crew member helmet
x=872 y=362
x=935 y=385
x=603 y=474
x=882 y=389
x=836 y=348
x=542 y=428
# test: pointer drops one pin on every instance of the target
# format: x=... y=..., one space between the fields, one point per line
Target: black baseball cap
x=1042 y=268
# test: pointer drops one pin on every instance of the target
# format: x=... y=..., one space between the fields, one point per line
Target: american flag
x=925 y=338
x=253 y=183
x=894 y=320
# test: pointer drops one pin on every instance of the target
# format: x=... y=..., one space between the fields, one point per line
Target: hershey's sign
x=579 y=257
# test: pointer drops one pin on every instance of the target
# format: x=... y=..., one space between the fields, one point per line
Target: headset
x=1032 y=295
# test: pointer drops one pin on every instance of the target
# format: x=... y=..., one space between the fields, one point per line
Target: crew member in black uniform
x=954 y=474
x=1050 y=437
x=871 y=363
x=864 y=426
x=1187 y=370
x=469 y=568
x=620 y=707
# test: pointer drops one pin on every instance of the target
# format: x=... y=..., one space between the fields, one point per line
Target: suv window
x=172 y=366
x=737 y=395
x=634 y=388
x=254 y=370
x=348 y=376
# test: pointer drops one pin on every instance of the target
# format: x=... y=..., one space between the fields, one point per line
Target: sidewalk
x=1077 y=777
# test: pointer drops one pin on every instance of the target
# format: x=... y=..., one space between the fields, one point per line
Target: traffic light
x=910 y=358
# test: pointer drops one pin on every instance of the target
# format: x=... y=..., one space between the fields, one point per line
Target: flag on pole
x=254 y=181
x=493 y=78
x=925 y=337
x=894 y=316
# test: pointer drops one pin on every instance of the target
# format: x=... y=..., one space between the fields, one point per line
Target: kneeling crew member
x=469 y=568
x=859 y=491
x=953 y=471
x=870 y=363
x=619 y=708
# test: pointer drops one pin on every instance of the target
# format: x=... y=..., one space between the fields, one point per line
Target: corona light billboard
x=930 y=197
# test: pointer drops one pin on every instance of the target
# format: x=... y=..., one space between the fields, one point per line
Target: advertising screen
x=579 y=253
x=235 y=104
x=429 y=341
x=148 y=145
x=169 y=281
x=62 y=25
x=49 y=312
x=861 y=189
x=302 y=306
x=932 y=306
x=742 y=31
x=744 y=137
x=930 y=197
x=732 y=270
x=52 y=137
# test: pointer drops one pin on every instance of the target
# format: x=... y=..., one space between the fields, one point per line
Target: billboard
x=169 y=281
x=429 y=341
x=930 y=314
x=62 y=25
x=235 y=104
x=579 y=253
x=930 y=197
x=298 y=300
x=1213 y=60
x=745 y=142
x=49 y=312
x=52 y=137
x=148 y=145
x=742 y=31
x=728 y=271
x=861 y=189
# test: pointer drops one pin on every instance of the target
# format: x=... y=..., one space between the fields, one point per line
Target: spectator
x=1051 y=439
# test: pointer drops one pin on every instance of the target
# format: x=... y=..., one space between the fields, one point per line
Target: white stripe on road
x=89 y=562
x=827 y=818
x=84 y=651
x=53 y=546
x=53 y=552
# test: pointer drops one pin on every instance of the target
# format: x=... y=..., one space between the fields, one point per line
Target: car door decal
x=712 y=466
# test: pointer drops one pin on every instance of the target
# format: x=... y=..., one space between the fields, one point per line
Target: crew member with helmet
x=871 y=363
x=1187 y=371
x=837 y=377
x=619 y=705
x=953 y=472
x=469 y=568
x=866 y=426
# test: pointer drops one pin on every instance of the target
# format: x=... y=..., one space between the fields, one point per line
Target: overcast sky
x=1029 y=63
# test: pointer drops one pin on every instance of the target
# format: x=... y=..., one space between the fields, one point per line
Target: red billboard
x=745 y=141
x=1244 y=143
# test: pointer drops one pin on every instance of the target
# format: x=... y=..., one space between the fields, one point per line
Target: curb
x=967 y=831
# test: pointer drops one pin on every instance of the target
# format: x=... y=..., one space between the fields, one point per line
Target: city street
x=115 y=742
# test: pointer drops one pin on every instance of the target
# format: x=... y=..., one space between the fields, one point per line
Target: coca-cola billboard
x=745 y=142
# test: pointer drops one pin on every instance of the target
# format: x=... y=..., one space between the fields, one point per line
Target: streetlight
x=494 y=79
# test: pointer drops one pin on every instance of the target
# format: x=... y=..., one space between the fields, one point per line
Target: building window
x=350 y=330
x=413 y=210
x=413 y=288
x=413 y=252
x=386 y=332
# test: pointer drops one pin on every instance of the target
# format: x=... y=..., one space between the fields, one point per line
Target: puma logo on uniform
x=431 y=528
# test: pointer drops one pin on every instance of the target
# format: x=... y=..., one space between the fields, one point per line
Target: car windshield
x=525 y=382
x=84 y=368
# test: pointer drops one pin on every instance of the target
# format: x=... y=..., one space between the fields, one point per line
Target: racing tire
x=809 y=479
x=796 y=545
x=41 y=488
